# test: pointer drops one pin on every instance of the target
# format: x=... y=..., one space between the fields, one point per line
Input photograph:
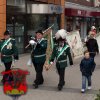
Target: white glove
x=51 y=63
x=32 y=42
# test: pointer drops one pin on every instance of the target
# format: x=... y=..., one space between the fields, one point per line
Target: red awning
x=81 y=13
x=96 y=14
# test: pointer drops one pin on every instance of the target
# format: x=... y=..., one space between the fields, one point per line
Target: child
x=87 y=67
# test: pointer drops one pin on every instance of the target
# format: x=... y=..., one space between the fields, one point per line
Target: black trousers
x=39 y=76
x=61 y=73
x=7 y=68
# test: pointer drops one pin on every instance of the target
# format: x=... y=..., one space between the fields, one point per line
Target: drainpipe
x=63 y=15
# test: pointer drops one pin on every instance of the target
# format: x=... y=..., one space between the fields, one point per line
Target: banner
x=75 y=44
x=98 y=40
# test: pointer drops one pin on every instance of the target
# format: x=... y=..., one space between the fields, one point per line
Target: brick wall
x=2 y=17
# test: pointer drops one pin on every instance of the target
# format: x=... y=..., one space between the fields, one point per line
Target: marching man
x=60 y=52
x=38 y=56
x=8 y=52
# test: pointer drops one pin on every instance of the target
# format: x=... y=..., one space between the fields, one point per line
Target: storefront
x=43 y=17
x=25 y=20
x=82 y=20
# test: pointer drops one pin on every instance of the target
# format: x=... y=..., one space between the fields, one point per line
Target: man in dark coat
x=60 y=52
x=8 y=51
x=92 y=46
x=38 y=57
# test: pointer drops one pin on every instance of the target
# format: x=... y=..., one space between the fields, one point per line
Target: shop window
x=15 y=2
x=69 y=24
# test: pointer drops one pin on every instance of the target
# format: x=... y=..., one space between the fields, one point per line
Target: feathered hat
x=93 y=28
x=61 y=34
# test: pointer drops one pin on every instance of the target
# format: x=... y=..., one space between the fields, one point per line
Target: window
x=18 y=2
x=15 y=2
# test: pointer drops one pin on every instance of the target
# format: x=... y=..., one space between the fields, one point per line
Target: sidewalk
x=49 y=90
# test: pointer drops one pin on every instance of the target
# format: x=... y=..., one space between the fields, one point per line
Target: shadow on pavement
x=69 y=90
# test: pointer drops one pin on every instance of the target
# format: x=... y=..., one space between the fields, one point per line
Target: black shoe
x=63 y=83
x=34 y=81
x=35 y=86
x=60 y=87
x=40 y=83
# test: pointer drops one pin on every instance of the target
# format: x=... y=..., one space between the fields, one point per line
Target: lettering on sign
x=79 y=12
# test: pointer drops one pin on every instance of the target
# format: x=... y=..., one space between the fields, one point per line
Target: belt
x=62 y=61
x=6 y=55
x=40 y=55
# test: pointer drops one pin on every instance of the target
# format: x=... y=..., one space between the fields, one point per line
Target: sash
x=41 y=40
x=61 y=52
x=52 y=42
x=39 y=43
x=5 y=43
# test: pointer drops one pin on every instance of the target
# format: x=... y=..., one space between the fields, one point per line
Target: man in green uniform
x=38 y=56
x=8 y=52
x=61 y=51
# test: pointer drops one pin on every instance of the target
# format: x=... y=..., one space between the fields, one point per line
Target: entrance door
x=18 y=33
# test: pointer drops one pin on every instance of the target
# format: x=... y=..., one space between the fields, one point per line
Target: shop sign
x=44 y=8
x=37 y=8
x=55 y=9
x=79 y=12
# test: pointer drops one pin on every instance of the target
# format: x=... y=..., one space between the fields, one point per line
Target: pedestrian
x=93 y=31
x=8 y=52
x=38 y=56
x=92 y=46
x=60 y=52
x=87 y=67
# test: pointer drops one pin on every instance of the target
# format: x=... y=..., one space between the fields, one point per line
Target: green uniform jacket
x=62 y=60
x=9 y=51
x=39 y=52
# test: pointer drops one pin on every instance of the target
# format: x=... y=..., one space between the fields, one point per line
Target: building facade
x=25 y=17
x=82 y=14
x=2 y=17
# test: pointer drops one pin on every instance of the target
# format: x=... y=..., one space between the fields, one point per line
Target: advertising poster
x=75 y=43
x=98 y=40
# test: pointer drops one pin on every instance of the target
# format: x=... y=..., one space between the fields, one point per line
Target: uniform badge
x=9 y=46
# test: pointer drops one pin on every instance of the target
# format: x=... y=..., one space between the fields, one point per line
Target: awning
x=80 y=13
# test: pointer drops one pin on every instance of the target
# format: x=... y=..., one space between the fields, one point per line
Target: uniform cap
x=6 y=33
x=39 y=31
